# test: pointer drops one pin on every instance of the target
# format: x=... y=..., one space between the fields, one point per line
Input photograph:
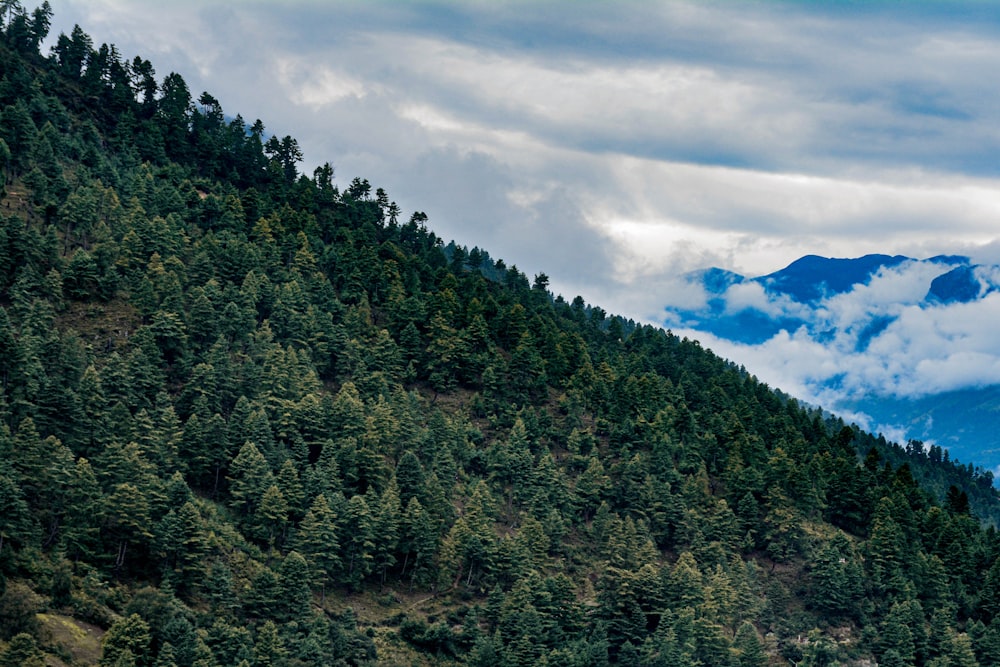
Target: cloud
x=315 y=86
x=751 y=296
x=889 y=291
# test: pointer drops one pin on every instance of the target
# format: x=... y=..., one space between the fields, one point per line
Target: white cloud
x=743 y=135
x=316 y=86
x=888 y=292
x=751 y=295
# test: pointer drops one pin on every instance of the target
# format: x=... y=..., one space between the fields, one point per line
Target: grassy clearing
x=70 y=638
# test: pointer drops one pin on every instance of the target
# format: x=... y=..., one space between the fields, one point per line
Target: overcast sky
x=615 y=145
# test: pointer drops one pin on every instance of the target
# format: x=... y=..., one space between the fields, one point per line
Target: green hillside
x=252 y=417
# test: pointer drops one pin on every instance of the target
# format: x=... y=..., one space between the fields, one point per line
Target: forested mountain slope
x=249 y=418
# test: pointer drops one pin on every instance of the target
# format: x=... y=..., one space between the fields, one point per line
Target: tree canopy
x=248 y=416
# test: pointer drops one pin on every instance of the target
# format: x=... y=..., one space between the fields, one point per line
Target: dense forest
x=251 y=417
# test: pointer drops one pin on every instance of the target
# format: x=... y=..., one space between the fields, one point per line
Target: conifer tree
x=317 y=541
x=358 y=542
x=418 y=542
x=386 y=530
x=17 y=526
x=128 y=639
x=269 y=648
x=22 y=651
x=751 y=651
x=84 y=514
x=249 y=477
x=296 y=597
x=271 y=518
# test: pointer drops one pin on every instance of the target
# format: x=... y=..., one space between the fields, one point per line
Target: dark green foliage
x=22 y=651
x=235 y=399
x=838 y=585
x=437 y=639
x=127 y=640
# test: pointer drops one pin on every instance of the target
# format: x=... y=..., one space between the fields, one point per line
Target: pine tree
x=271 y=517
x=358 y=541
x=296 y=595
x=837 y=586
x=269 y=649
x=987 y=646
x=751 y=651
x=127 y=637
x=85 y=511
x=166 y=657
x=189 y=546
x=224 y=644
x=17 y=526
x=591 y=486
x=317 y=541
x=960 y=653
x=249 y=477
x=989 y=595
x=445 y=353
x=418 y=542
x=22 y=651
x=897 y=637
x=127 y=514
x=409 y=477
x=386 y=530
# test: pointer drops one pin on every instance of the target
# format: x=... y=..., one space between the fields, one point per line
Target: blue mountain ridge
x=806 y=280
x=960 y=285
x=812 y=277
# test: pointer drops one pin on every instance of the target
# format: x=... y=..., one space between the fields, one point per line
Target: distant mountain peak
x=963 y=284
x=715 y=280
x=813 y=277
x=949 y=259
